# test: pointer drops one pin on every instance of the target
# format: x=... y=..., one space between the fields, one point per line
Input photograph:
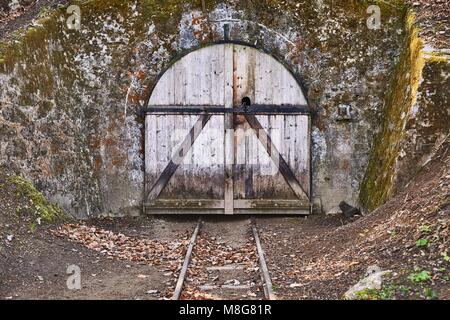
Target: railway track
x=215 y=270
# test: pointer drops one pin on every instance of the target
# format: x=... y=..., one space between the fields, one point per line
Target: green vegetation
x=385 y=293
x=43 y=209
x=429 y=293
x=422 y=243
x=399 y=290
x=425 y=229
x=376 y=188
x=420 y=276
x=275 y=287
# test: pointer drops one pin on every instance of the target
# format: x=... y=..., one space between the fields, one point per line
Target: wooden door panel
x=269 y=182
x=256 y=175
x=200 y=173
x=197 y=79
x=261 y=164
x=160 y=142
x=274 y=84
x=259 y=177
x=290 y=135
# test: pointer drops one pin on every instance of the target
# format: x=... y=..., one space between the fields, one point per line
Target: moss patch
x=378 y=181
x=40 y=206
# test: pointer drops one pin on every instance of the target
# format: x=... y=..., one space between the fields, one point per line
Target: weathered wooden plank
x=228 y=128
x=248 y=176
x=203 y=204
x=274 y=84
x=218 y=76
x=226 y=287
x=185 y=204
x=229 y=267
x=308 y=178
x=276 y=157
x=180 y=154
x=237 y=211
x=303 y=149
x=150 y=152
x=187 y=212
x=244 y=73
x=179 y=82
x=162 y=152
x=271 y=204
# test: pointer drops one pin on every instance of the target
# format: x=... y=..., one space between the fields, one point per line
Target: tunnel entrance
x=227 y=131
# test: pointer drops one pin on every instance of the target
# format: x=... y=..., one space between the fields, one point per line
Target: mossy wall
x=400 y=98
x=429 y=122
x=37 y=205
x=415 y=122
x=71 y=100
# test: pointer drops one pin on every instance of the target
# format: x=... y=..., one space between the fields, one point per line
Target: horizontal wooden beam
x=253 y=109
x=185 y=204
x=280 y=212
x=270 y=204
x=212 y=204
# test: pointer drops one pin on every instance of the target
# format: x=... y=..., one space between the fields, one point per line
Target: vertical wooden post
x=244 y=87
x=229 y=129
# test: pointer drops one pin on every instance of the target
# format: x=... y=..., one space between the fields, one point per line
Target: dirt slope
x=408 y=235
x=433 y=19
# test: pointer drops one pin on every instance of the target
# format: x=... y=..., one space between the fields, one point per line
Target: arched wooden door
x=227 y=130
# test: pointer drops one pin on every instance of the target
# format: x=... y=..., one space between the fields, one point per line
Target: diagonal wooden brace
x=276 y=157
x=177 y=158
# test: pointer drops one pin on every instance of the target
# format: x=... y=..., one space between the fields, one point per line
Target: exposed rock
x=372 y=281
x=348 y=210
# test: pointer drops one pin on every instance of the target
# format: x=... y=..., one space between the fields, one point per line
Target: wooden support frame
x=212 y=84
x=206 y=204
x=239 y=110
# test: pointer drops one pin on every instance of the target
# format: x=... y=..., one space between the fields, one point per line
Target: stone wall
x=400 y=97
x=429 y=121
x=415 y=121
x=71 y=100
